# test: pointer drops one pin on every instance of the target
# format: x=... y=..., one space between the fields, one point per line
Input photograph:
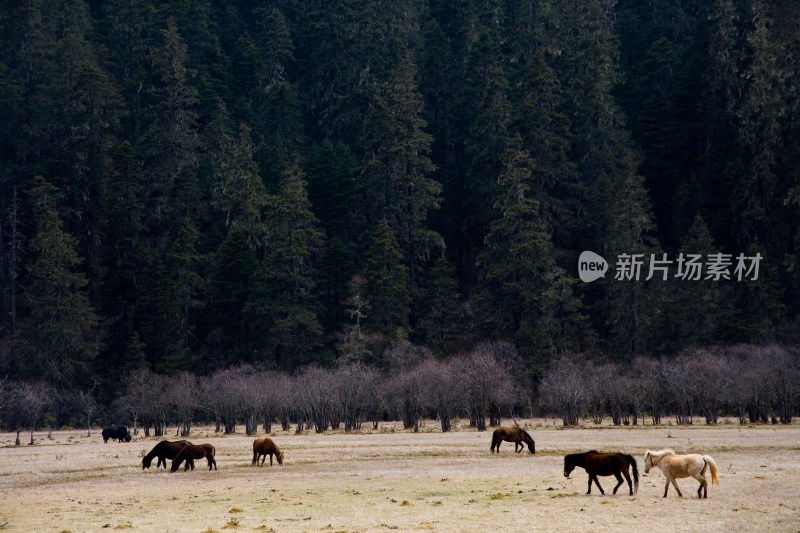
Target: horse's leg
x=255 y=458
x=703 y=486
x=628 y=479
x=677 y=488
x=619 y=481
x=518 y=447
x=590 y=485
x=666 y=487
x=270 y=459
x=597 y=482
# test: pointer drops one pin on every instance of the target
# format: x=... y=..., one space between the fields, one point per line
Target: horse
x=190 y=452
x=515 y=435
x=675 y=466
x=163 y=450
x=604 y=464
x=264 y=447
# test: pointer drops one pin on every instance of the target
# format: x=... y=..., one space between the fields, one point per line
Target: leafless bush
x=355 y=387
x=597 y=389
x=224 y=395
x=564 y=389
x=146 y=396
x=487 y=384
x=315 y=388
x=403 y=354
x=406 y=390
x=651 y=376
x=183 y=395
x=269 y=397
x=443 y=391
x=24 y=404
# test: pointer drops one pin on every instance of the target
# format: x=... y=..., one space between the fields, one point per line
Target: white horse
x=675 y=466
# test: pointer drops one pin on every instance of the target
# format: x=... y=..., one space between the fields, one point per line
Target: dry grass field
x=393 y=480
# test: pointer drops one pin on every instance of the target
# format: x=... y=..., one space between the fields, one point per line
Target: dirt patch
x=391 y=479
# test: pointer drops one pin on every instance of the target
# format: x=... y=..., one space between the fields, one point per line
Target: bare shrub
x=443 y=392
x=406 y=390
x=183 y=397
x=24 y=405
x=487 y=385
x=354 y=386
x=564 y=388
x=315 y=394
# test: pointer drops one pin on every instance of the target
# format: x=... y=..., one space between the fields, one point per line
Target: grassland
x=394 y=480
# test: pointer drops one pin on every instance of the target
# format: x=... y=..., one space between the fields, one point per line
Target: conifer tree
x=397 y=171
x=386 y=287
x=284 y=299
x=58 y=331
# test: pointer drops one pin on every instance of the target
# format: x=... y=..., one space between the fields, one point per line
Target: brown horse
x=515 y=435
x=264 y=447
x=163 y=450
x=604 y=464
x=190 y=452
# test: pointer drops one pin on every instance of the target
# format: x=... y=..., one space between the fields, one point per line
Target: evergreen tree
x=520 y=295
x=397 y=170
x=233 y=273
x=238 y=191
x=284 y=302
x=386 y=287
x=278 y=119
x=170 y=143
x=439 y=310
x=60 y=320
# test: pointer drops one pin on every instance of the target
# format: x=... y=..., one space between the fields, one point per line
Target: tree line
x=754 y=384
x=188 y=186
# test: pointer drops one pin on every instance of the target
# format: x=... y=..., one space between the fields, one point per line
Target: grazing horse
x=163 y=450
x=604 y=464
x=120 y=433
x=515 y=435
x=675 y=466
x=264 y=447
x=190 y=452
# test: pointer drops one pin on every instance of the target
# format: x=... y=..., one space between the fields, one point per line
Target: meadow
x=391 y=479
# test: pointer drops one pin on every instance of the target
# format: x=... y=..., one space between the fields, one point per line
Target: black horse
x=163 y=450
x=604 y=464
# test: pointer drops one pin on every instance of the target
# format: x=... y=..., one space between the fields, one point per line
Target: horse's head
x=648 y=461
x=569 y=465
x=146 y=462
x=280 y=458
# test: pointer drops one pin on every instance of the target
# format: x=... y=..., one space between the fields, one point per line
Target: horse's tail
x=713 y=467
x=632 y=462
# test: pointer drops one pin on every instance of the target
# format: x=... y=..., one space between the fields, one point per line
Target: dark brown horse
x=163 y=450
x=264 y=447
x=515 y=435
x=604 y=464
x=190 y=452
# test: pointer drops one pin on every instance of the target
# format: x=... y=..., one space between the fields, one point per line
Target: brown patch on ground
x=391 y=479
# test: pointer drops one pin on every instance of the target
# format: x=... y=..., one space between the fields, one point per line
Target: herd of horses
x=595 y=463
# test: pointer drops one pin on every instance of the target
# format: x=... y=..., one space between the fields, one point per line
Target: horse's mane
x=665 y=451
